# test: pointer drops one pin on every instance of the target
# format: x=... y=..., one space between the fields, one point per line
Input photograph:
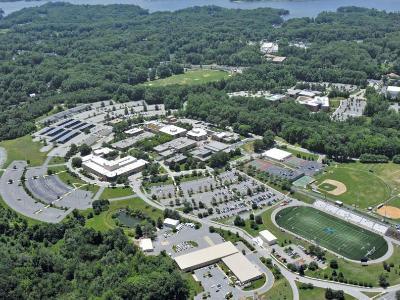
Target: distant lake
x=297 y=8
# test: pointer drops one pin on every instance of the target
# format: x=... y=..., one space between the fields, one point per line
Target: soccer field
x=332 y=233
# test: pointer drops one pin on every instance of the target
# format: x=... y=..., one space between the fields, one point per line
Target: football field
x=332 y=233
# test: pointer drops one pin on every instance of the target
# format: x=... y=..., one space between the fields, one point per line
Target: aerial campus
x=212 y=196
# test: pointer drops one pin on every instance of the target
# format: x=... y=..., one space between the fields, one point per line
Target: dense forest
x=72 y=54
x=69 y=261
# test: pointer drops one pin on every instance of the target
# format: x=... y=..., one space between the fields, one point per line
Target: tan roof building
x=204 y=257
x=242 y=268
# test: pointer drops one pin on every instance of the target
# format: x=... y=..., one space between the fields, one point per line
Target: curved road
x=355 y=291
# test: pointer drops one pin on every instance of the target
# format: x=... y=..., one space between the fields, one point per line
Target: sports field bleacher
x=350 y=216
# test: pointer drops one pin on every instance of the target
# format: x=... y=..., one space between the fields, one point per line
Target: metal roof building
x=268 y=237
x=146 y=245
x=277 y=154
x=204 y=257
x=242 y=268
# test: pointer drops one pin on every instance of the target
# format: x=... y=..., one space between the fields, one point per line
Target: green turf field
x=364 y=188
x=190 y=78
x=332 y=233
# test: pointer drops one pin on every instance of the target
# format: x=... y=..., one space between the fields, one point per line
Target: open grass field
x=364 y=188
x=363 y=274
x=316 y=294
x=394 y=202
x=117 y=192
x=256 y=284
x=190 y=78
x=104 y=220
x=23 y=148
x=280 y=291
x=56 y=160
x=302 y=154
x=332 y=233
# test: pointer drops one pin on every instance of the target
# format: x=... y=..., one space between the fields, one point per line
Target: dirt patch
x=389 y=212
x=340 y=187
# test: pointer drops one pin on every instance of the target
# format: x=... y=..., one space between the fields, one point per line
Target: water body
x=297 y=8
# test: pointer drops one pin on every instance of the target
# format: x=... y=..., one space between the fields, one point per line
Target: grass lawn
x=55 y=160
x=248 y=147
x=363 y=274
x=303 y=197
x=316 y=294
x=302 y=154
x=364 y=188
x=104 y=220
x=256 y=284
x=73 y=181
x=24 y=148
x=190 y=78
x=117 y=192
x=281 y=290
x=371 y=294
x=395 y=202
x=335 y=102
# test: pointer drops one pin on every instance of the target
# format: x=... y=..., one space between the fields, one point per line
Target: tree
x=138 y=231
x=334 y=264
x=259 y=146
x=84 y=149
x=383 y=281
x=258 y=219
x=239 y=221
x=160 y=223
x=268 y=139
x=76 y=162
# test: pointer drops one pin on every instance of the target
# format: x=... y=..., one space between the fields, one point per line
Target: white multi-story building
x=109 y=169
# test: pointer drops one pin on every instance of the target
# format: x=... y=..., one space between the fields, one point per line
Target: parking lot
x=168 y=240
x=14 y=195
x=349 y=108
x=50 y=189
x=215 y=283
x=225 y=195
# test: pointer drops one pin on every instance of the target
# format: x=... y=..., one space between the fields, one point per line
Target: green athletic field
x=364 y=188
x=332 y=233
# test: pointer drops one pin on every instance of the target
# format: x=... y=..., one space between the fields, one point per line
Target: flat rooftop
x=277 y=154
x=267 y=235
x=172 y=130
x=243 y=269
x=206 y=255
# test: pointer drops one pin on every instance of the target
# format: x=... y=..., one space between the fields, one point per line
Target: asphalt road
x=354 y=291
